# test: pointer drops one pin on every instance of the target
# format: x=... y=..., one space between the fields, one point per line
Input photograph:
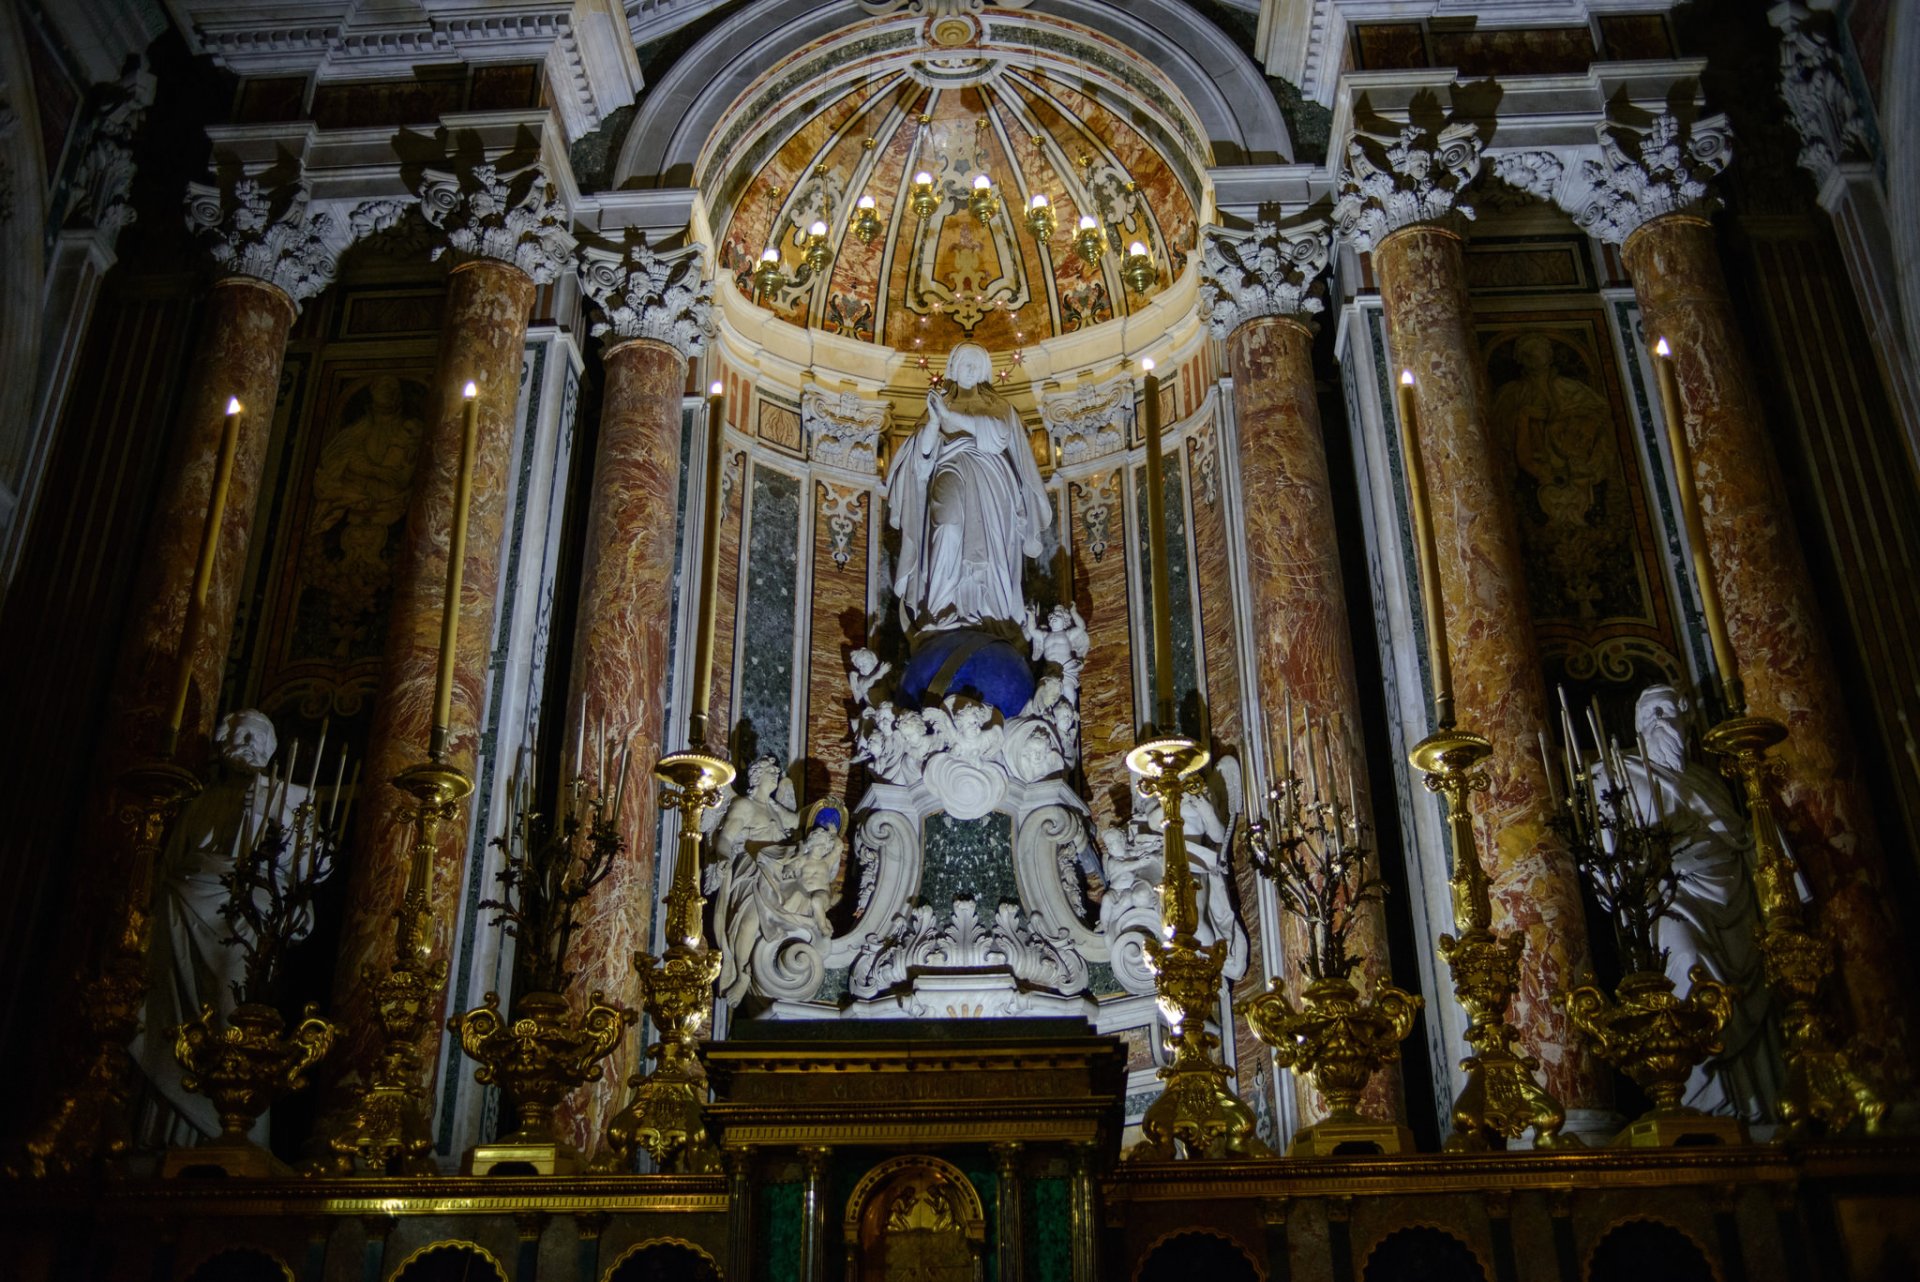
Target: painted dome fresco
x=919 y=181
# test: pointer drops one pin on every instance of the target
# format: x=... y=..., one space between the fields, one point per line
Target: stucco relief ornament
x=273 y=236
x=1089 y=422
x=510 y=218
x=105 y=172
x=1093 y=501
x=1396 y=180
x=1268 y=272
x=648 y=294
x=842 y=509
x=1819 y=100
x=844 y=431
x=1646 y=172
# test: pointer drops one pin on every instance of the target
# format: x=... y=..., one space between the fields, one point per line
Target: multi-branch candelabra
x=1623 y=848
x=543 y=1052
x=1312 y=845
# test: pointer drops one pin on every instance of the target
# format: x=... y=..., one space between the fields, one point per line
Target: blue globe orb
x=968 y=662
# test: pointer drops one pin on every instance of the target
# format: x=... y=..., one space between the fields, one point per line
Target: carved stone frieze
x=1269 y=272
x=510 y=218
x=841 y=429
x=1644 y=172
x=1025 y=943
x=103 y=177
x=1417 y=175
x=274 y=236
x=1819 y=100
x=644 y=293
x=843 y=509
x=1094 y=500
x=1089 y=422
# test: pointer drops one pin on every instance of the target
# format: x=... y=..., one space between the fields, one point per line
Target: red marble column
x=1773 y=616
x=1302 y=641
x=1499 y=688
x=243 y=340
x=484 y=332
x=620 y=672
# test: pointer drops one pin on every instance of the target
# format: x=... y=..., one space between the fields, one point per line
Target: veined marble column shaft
x=658 y=312
x=1773 y=615
x=1499 y=687
x=484 y=332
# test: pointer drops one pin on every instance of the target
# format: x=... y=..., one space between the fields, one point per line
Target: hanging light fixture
x=866 y=220
x=1040 y=217
x=767 y=277
x=1137 y=268
x=923 y=200
x=1089 y=242
x=983 y=202
x=818 y=248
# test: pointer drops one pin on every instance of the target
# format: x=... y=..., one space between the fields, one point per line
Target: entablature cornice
x=1250 y=193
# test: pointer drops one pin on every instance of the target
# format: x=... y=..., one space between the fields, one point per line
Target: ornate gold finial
x=666 y=1115
x=1501 y=1096
x=1197 y=1115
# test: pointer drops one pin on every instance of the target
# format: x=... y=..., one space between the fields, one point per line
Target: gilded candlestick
x=709 y=569
x=1428 y=555
x=1710 y=607
x=1163 y=718
x=456 y=568
x=202 y=575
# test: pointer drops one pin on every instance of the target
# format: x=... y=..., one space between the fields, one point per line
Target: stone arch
x=449 y=1261
x=1643 y=1248
x=661 y=1258
x=1184 y=1254
x=1225 y=91
x=1426 y=1252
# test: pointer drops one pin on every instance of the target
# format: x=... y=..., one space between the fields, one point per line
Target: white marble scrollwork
x=104 y=176
x=1024 y=943
x=1417 y=175
x=643 y=293
x=1094 y=500
x=1819 y=100
x=1130 y=910
x=270 y=235
x=512 y=218
x=1271 y=271
x=1089 y=422
x=843 y=430
x=842 y=509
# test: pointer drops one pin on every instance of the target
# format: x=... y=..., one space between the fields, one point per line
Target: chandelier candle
x=203 y=573
x=709 y=568
x=456 y=567
x=1428 y=555
x=1157 y=559
x=1723 y=657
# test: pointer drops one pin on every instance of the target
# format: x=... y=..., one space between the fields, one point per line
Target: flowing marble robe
x=968 y=501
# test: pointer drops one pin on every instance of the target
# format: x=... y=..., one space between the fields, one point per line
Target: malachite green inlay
x=779 y=1232
x=1050 y=1230
x=968 y=857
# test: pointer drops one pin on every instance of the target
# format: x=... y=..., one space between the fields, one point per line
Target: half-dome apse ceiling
x=895 y=176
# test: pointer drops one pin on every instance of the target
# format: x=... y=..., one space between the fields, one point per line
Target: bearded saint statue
x=967 y=498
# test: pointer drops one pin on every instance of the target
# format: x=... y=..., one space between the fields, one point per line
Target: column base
x=1361 y=1138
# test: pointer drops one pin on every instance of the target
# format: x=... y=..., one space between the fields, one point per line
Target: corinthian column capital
x=1819 y=100
x=1417 y=175
x=1645 y=172
x=509 y=218
x=1271 y=271
x=647 y=294
x=273 y=235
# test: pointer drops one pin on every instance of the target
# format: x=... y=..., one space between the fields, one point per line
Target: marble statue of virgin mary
x=967 y=499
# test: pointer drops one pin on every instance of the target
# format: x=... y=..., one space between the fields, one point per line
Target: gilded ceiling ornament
x=1417 y=175
x=1819 y=100
x=269 y=235
x=510 y=218
x=1644 y=172
x=649 y=294
x=1269 y=272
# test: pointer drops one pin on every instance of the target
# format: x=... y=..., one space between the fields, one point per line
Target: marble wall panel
x=763 y=714
x=726 y=607
x=1190 y=699
x=839 y=606
x=1096 y=516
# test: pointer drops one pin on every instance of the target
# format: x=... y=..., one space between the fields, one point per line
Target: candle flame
x=1406 y=376
x=1661 y=349
x=233 y=405
x=1146 y=364
x=716 y=388
x=470 y=391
